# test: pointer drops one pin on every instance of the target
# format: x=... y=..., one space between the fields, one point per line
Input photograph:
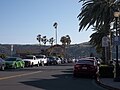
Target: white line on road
x=19 y=75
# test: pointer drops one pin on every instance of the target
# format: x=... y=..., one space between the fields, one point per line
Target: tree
x=96 y=38
x=98 y=14
x=44 y=40
x=51 y=40
x=68 y=40
x=65 y=42
x=39 y=38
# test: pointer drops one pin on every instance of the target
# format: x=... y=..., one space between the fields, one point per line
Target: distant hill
x=81 y=50
x=74 y=50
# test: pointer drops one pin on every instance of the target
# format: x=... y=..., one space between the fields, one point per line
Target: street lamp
x=117 y=76
x=12 y=50
x=39 y=40
x=55 y=26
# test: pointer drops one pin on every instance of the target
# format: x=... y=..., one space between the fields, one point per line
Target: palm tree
x=44 y=40
x=65 y=42
x=96 y=38
x=99 y=14
x=39 y=38
x=51 y=40
x=68 y=40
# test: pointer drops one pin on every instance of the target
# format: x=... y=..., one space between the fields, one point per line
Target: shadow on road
x=64 y=81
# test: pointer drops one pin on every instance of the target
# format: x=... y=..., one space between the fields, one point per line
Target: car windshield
x=39 y=56
x=10 y=59
x=51 y=57
x=28 y=57
x=86 y=62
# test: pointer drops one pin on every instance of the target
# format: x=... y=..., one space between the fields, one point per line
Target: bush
x=3 y=56
x=106 y=71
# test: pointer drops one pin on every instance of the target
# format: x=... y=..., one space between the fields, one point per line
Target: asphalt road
x=58 y=77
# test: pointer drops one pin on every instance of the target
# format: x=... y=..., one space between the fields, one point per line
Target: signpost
x=116 y=40
x=105 y=44
x=11 y=50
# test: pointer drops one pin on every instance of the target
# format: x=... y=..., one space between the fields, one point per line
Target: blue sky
x=22 y=20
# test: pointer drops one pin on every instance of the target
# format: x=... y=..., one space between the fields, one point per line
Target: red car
x=86 y=67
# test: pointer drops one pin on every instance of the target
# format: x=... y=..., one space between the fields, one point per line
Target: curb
x=106 y=86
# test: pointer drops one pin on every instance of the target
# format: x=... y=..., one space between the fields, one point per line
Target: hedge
x=106 y=71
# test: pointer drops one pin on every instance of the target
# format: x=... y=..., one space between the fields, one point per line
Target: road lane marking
x=19 y=75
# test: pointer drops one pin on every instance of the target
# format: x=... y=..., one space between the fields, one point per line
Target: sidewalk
x=109 y=83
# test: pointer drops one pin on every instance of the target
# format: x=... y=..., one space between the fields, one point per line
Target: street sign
x=105 y=41
x=116 y=40
x=11 y=47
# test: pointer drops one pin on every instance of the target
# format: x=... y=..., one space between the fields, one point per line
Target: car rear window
x=10 y=59
x=28 y=57
x=39 y=56
x=86 y=62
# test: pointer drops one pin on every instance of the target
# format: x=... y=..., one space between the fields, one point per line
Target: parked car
x=14 y=62
x=96 y=59
x=2 y=64
x=58 y=60
x=86 y=67
x=42 y=59
x=51 y=60
x=31 y=60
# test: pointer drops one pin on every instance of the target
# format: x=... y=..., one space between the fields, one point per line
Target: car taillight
x=77 y=66
x=92 y=67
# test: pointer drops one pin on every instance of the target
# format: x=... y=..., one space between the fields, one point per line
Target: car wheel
x=38 y=64
x=23 y=66
x=32 y=64
x=15 y=66
x=3 y=68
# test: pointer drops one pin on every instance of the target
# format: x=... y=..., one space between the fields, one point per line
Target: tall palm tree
x=99 y=14
x=96 y=38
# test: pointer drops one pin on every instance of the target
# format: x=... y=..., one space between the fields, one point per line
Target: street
x=57 y=77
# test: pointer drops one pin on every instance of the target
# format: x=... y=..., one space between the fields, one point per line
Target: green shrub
x=106 y=71
x=2 y=56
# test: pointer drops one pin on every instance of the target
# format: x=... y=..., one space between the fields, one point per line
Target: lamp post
x=55 y=26
x=39 y=40
x=117 y=75
x=12 y=50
